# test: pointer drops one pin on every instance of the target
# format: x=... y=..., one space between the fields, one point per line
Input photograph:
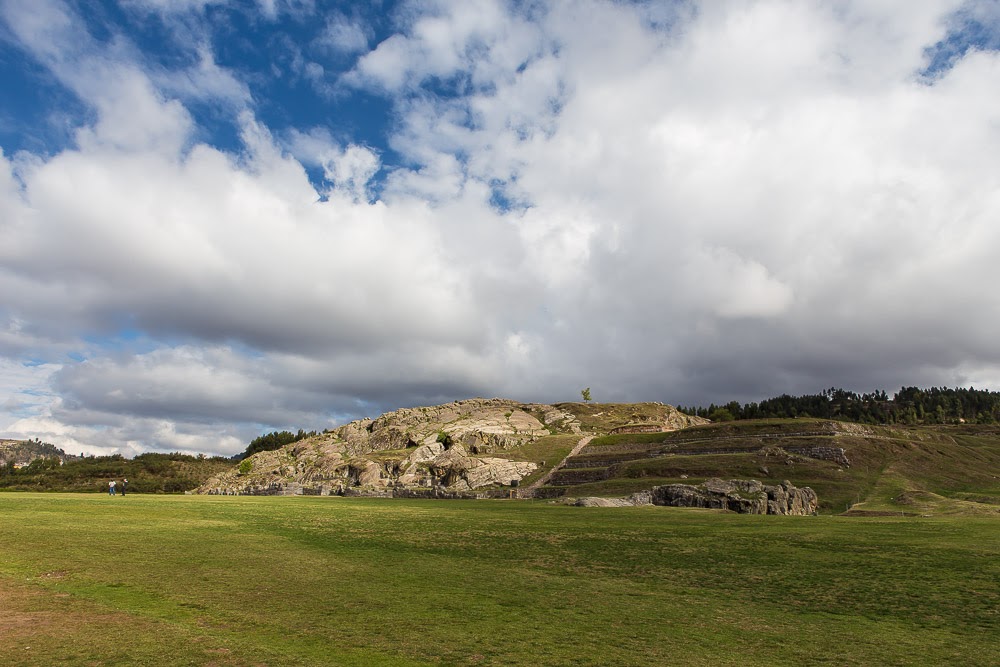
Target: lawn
x=182 y=580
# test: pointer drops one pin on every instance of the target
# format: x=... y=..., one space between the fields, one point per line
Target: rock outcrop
x=446 y=448
x=635 y=500
x=744 y=496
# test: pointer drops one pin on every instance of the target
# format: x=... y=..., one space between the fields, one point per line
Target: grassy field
x=194 y=580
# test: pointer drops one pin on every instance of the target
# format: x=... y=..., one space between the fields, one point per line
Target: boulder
x=635 y=500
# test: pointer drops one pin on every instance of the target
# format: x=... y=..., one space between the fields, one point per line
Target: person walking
x=124 y=485
x=111 y=488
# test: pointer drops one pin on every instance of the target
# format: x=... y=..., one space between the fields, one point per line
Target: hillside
x=147 y=473
x=19 y=453
x=501 y=448
x=852 y=467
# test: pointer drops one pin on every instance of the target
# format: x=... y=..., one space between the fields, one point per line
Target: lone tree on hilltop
x=586 y=394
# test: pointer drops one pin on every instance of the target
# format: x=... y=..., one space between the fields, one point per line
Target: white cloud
x=348 y=169
x=343 y=35
x=134 y=117
x=132 y=113
x=733 y=286
x=352 y=170
x=205 y=81
x=232 y=250
x=799 y=140
x=171 y=6
x=24 y=388
x=479 y=40
x=130 y=436
x=386 y=65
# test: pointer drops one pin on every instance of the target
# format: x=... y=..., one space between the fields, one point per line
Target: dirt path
x=544 y=479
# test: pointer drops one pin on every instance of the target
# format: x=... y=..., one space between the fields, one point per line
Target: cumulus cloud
x=349 y=170
x=728 y=201
x=475 y=42
x=719 y=171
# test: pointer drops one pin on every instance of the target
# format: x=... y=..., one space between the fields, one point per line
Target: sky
x=221 y=218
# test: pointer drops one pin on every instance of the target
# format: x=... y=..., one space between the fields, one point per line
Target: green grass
x=546 y=452
x=178 y=580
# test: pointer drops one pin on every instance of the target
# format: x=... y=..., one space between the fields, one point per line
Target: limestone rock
x=440 y=447
x=635 y=500
x=602 y=502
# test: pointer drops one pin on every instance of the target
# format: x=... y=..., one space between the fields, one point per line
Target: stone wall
x=564 y=476
x=835 y=454
x=637 y=428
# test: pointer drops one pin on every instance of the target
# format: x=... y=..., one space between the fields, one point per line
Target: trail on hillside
x=544 y=479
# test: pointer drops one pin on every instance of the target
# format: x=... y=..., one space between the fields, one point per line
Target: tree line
x=272 y=441
x=147 y=473
x=910 y=405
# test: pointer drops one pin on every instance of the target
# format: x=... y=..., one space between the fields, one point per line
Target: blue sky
x=223 y=218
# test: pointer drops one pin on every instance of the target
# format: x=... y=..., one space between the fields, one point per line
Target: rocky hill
x=465 y=448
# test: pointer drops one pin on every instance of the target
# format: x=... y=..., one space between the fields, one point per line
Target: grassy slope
x=546 y=452
x=171 y=580
x=602 y=417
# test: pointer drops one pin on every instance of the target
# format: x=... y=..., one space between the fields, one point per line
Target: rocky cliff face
x=446 y=448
